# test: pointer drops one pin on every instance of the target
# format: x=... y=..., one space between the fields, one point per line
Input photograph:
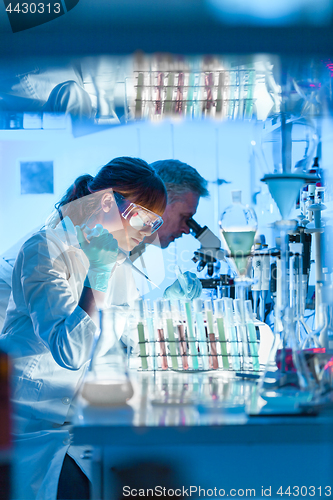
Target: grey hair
x=179 y=179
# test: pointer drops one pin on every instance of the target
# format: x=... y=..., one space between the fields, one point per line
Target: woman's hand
x=102 y=251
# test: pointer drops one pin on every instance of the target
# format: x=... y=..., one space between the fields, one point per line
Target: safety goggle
x=138 y=217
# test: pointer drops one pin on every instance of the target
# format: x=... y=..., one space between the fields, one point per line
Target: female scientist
x=60 y=275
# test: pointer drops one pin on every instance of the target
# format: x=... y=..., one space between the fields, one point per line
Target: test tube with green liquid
x=252 y=335
x=219 y=313
x=191 y=336
x=211 y=334
x=249 y=98
x=171 y=334
x=201 y=333
x=141 y=334
x=169 y=93
x=138 y=100
x=230 y=326
x=151 y=333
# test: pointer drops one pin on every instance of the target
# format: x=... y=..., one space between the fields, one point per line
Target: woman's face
x=127 y=236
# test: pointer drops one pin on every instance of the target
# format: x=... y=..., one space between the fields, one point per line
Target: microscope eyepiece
x=195 y=227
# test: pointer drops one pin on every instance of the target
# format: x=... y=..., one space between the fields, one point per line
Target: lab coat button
x=66 y=401
x=66 y=441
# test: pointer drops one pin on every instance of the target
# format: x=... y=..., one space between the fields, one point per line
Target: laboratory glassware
x=238 y=227
x=222 y=332
x=201 y=333
x=213 y=359
x=142 y=331
x=159 y=325
x=171 y=334
x=107 y=382
x=286 y=357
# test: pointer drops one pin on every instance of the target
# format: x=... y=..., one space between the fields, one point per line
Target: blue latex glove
x=102 y=251
x=190 y=288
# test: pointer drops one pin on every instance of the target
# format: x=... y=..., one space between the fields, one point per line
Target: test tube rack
x=198 y=340
x=219 y=94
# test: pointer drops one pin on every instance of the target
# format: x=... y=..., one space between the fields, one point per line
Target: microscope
x=208 y=255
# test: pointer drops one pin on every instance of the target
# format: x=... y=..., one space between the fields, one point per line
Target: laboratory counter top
x=203 y=431
x=210 y=407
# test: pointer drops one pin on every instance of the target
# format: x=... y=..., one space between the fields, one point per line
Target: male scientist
x=185 y=186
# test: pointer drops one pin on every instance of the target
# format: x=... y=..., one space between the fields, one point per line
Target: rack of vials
x=220 y=94
x=200 y=335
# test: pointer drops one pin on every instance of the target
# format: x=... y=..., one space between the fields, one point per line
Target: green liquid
x=220 y=327
x=142 y=344
x=253 y=346
x=240 y=244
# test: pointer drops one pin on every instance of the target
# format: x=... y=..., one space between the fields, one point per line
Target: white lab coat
x=49 y=339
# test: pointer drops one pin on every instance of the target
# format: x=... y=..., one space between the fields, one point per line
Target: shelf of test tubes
x=220 y=94
x=200 y=335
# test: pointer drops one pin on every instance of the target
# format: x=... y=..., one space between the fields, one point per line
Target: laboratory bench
x=207 y=430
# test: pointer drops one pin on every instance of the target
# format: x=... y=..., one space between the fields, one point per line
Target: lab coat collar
x=67 y=232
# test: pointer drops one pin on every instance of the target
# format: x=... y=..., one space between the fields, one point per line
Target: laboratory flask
x=287 y=366
x=107 y=381
x=238 y=227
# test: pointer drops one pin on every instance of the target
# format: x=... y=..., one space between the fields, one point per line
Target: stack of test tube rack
x=219 y=93
x=197 y=336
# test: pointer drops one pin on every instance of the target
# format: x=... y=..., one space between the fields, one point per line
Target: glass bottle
x=107 y=382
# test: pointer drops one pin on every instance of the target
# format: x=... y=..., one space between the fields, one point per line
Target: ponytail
x=78 y=189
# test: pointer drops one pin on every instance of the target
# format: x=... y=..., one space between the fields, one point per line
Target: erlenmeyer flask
x=287 y=366
x=107 y=382
x=238 y=227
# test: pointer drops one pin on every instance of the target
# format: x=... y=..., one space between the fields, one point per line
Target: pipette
x=128 y=260
x=181 y=279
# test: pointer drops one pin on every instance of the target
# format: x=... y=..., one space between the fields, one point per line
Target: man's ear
x=107 y=202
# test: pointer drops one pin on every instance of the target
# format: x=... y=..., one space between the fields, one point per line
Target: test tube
x=211 y=333
x=141 y=334
x=219 y=313
x=191 y=337
x=201 y=334
x=181 y=333
x=138 y=100
x=232 y=334
x=219 y=99
x=249 y=97
x=171 y=334
x=151 y=333
x=252 y=335
x=241 y=327
x=158 y=312
x=189 y=100
x=169 y=93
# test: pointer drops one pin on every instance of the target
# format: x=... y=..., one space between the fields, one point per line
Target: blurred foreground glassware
x=107 y=382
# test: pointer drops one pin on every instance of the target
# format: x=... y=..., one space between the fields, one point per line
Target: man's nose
x=185 y=228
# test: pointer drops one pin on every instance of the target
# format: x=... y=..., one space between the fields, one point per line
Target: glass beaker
x=107 y=382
